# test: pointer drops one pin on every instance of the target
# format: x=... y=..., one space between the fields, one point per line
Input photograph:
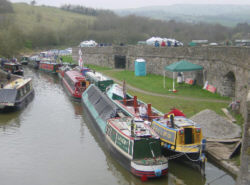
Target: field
x=29 y=17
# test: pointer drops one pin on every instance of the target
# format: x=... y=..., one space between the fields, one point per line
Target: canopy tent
x=181 y=66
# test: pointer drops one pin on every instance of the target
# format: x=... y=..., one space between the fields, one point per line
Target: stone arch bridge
x=226 y=68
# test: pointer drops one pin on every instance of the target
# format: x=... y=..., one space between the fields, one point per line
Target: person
x=143 y=111
x=9 y=75
x=179 y=77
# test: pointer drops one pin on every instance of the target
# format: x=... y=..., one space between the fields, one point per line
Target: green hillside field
x=28 y=17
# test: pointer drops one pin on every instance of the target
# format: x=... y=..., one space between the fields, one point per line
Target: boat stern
x=150 y=168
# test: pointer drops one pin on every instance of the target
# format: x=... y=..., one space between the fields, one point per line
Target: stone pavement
x=244 y=175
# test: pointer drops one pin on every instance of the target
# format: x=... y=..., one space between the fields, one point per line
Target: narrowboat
x=182 y=139
x=48 y=65
x=62 y=70
x=16 y=94
x=24 y=60
x=130 y=103
x=74 y=83
x=14 y=68
x=101 y=81
x=130 y=141
x=34 y=61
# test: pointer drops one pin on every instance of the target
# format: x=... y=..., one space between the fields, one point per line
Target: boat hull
x=125 y=160
x=70 y=91
x=20 y=104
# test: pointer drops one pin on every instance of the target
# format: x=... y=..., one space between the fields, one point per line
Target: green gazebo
x=180 y=66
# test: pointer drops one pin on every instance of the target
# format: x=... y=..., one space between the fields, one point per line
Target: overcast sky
x=121 y=4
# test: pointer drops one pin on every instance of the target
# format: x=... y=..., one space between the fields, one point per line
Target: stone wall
x=226 y=68
x=244 y=175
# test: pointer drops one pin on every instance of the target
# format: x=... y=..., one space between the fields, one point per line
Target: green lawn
x=98 y=68
x=68 y=59
x=154 y=83
x=189 y=108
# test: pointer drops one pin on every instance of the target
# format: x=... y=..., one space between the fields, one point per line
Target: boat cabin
x=16 y=92
x=179 y=132
x=14 y=68
x=101 y=81
x=75 y=83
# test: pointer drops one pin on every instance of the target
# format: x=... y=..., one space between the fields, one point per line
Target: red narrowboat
x=49 y=66
x=75 y=83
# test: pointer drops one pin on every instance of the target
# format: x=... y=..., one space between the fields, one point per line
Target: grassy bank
x=190 y=108
x=153 y=83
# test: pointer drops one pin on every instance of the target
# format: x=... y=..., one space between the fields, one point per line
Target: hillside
x=29 y=17
x=228 y=15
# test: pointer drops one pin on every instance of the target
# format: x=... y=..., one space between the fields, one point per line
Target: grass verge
x=154 y=83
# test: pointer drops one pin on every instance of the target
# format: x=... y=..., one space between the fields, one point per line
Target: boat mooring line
x=216 y=178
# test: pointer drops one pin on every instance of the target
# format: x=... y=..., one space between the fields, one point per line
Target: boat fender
x=169 y=146
x=157 y=172
x=204 y=141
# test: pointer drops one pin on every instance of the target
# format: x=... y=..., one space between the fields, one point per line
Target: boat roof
x=180 y=121
x=123 y=125
x=75 y=75
x=17 y=83
x=8 y=96
x=12 y=64
x=115 y=89
x=97 y=76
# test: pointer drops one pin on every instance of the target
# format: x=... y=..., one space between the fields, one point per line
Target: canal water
x=50 y=142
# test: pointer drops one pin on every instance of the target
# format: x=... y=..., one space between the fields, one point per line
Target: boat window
x=28 y=87
x=21 y=92
x=83 y=84
x=18 y=94
x=24 y=90
x=188 y=135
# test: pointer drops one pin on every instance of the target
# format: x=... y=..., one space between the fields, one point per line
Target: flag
x=80 y=61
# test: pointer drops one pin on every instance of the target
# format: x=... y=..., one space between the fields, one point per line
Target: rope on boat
x=184 y=153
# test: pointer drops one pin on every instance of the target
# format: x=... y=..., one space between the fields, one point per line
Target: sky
x=122 y=4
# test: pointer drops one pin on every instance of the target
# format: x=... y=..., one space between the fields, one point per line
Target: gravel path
x=215 y=126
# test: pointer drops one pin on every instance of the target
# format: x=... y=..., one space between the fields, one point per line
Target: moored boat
x=13 y=67
x=49 y=66
x=130 y=103
x=100 y=80
x=130 y=141
x=74 y=83
x=16 y=94
x=24 y=60
x=62 y=70
x=183 y=139
x=34 y=61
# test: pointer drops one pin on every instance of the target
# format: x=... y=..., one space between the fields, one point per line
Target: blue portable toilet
x=140 y=67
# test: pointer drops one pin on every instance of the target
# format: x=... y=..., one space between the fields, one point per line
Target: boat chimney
x=172 y=120
x=149 y=110
x=135 y=102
